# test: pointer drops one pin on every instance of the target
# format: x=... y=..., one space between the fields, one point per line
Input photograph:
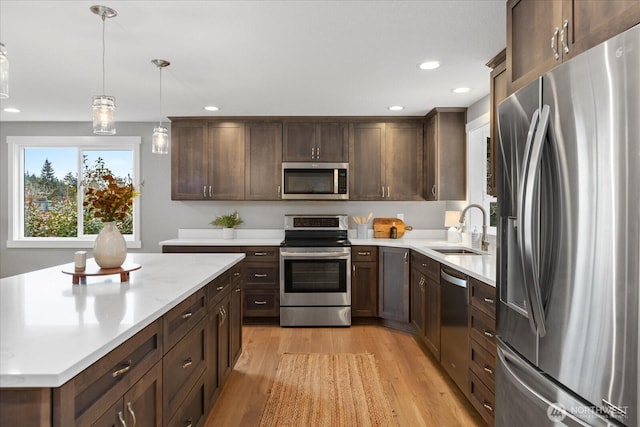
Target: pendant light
x=160 y=141
x=104 y=106
x=4 y=73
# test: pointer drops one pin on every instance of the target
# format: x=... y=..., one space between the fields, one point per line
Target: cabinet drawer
x=483 y=297
x=261 y=274
x=181 y=367
x=364 y=253
x=217 y=289
x=426 y=265
x=482 y=328
x=192 y=412
x=81 y=400
x=483 y=364
x=183 y=317
x=261 y=302
x=482 y=398
x=262 y=253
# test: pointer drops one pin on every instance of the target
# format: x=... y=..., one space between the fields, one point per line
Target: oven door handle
x=339 y=255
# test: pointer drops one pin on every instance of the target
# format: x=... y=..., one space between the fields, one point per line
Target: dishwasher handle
x=449 y=277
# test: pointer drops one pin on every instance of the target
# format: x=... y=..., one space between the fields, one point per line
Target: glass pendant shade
x=4 y=73
x=160 y=141
x=103 y=115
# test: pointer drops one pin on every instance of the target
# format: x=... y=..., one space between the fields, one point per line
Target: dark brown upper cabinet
x=263 y=160
x=315 y=141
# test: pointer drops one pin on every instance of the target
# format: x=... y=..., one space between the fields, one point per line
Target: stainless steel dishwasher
x=454 y=346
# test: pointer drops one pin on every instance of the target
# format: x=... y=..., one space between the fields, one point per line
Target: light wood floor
x=419 y=392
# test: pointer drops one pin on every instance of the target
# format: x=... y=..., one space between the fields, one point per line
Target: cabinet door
x=189 y=165
x=366 y=151
x=226 y=160
x=530 y=27
x=498 y=93
x=263 y=161
x=592 y=22
x=403 y=167
x=143 y=402
x=364 y=289
x=432 y=316
x=299 y=142
x=224 y=335
x=235 y=318
x=212 y=381
x=418 y=301
x=430 y=161
x=332 y=142
x=393 y=286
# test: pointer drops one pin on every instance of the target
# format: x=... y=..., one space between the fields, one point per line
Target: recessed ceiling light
x=460 y=90
x=211 y=108
x=396 y=108
x=429 y=65
x=11 y=110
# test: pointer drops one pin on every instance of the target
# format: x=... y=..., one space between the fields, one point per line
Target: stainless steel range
x=315 y=271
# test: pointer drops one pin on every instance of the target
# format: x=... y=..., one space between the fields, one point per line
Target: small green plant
x=227 y=221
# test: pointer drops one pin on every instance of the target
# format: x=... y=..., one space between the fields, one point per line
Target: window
x=478 y=176
x=46 y=191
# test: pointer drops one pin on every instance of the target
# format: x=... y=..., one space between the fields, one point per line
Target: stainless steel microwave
x=315 y=181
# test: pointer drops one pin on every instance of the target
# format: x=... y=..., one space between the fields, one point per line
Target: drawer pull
x=236 y=274
x=487 y=406
x=187 y=315
x=122 y=371
x=260 y=275
x=237 y=290
x=259 y=254
x=489 y=300
x=121 y=419
x=488 y=334
x=488 y=369
x=364 y=253
x=188 y=422
x=219 y=288
x=423 y=264
x=188 y=362
x=133 y=414
x=260 y=302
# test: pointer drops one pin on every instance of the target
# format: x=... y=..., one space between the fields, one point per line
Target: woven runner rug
x=333 y=390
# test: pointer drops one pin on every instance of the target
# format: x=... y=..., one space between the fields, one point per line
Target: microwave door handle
x=335 y=180
x=531 y=251
x=522 y=194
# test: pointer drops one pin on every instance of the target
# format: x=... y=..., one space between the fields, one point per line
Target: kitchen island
x=53 y=332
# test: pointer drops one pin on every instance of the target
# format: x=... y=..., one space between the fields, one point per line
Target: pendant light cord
x=160 y=125
x=103 y=52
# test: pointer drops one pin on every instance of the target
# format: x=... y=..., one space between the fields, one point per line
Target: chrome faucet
x=485 y=242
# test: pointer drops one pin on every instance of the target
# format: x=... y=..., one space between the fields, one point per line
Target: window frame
x=15 y=170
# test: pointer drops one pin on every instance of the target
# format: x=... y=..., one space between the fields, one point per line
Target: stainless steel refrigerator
x=569 y=232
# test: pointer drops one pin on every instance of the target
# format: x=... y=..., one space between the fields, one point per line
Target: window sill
x=53 y=243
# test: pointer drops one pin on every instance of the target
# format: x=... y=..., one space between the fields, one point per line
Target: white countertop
x=482 y=267
x=51 y=330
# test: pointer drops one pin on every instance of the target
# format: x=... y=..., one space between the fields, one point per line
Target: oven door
x=315 y=276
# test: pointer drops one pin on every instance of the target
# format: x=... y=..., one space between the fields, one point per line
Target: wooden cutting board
x=382 y=227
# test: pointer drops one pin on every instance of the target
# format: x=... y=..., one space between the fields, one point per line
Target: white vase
x=110 y=248
x=227 y=233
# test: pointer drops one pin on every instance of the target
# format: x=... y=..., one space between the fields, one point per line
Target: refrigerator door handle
x=529 y=255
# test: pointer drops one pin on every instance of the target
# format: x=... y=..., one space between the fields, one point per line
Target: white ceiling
x=253 y=58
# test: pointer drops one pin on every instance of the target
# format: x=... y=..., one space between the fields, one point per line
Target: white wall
x=161 y=217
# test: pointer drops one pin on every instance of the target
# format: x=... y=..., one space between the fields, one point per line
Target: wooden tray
x=92 y=269
x=382 y=227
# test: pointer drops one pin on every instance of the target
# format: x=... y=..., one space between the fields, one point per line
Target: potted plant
x=228 y=222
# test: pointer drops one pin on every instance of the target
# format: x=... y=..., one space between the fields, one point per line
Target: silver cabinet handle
x=210 y=192
x=488 y=369
x=383 y=191
x=260 y=302
x=317 y=153
x=488 y=333
x=279 y=191
x=237 y=290
x=364 y=253
x=554 y=43
x=313 y=153
x=260 y=275
x=489 y=300
x=186 y=363
x=563 y=32
x=487 y=406
x=219 y=288
x=433 y=192
x=259 y=254
x=121 y=419
x=187 y=315
x=406 y=256
x=133 y=414
x=236 y=274
x=204 y=191
x=353 y=268
x=188 y=422
x=388 y=192
x=121 y=371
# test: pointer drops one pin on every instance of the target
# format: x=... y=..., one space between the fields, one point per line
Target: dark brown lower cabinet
x=364 y=281
x=425 y=301
x=235 y=318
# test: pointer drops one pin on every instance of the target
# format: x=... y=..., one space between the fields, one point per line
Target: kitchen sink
x=456 y=251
